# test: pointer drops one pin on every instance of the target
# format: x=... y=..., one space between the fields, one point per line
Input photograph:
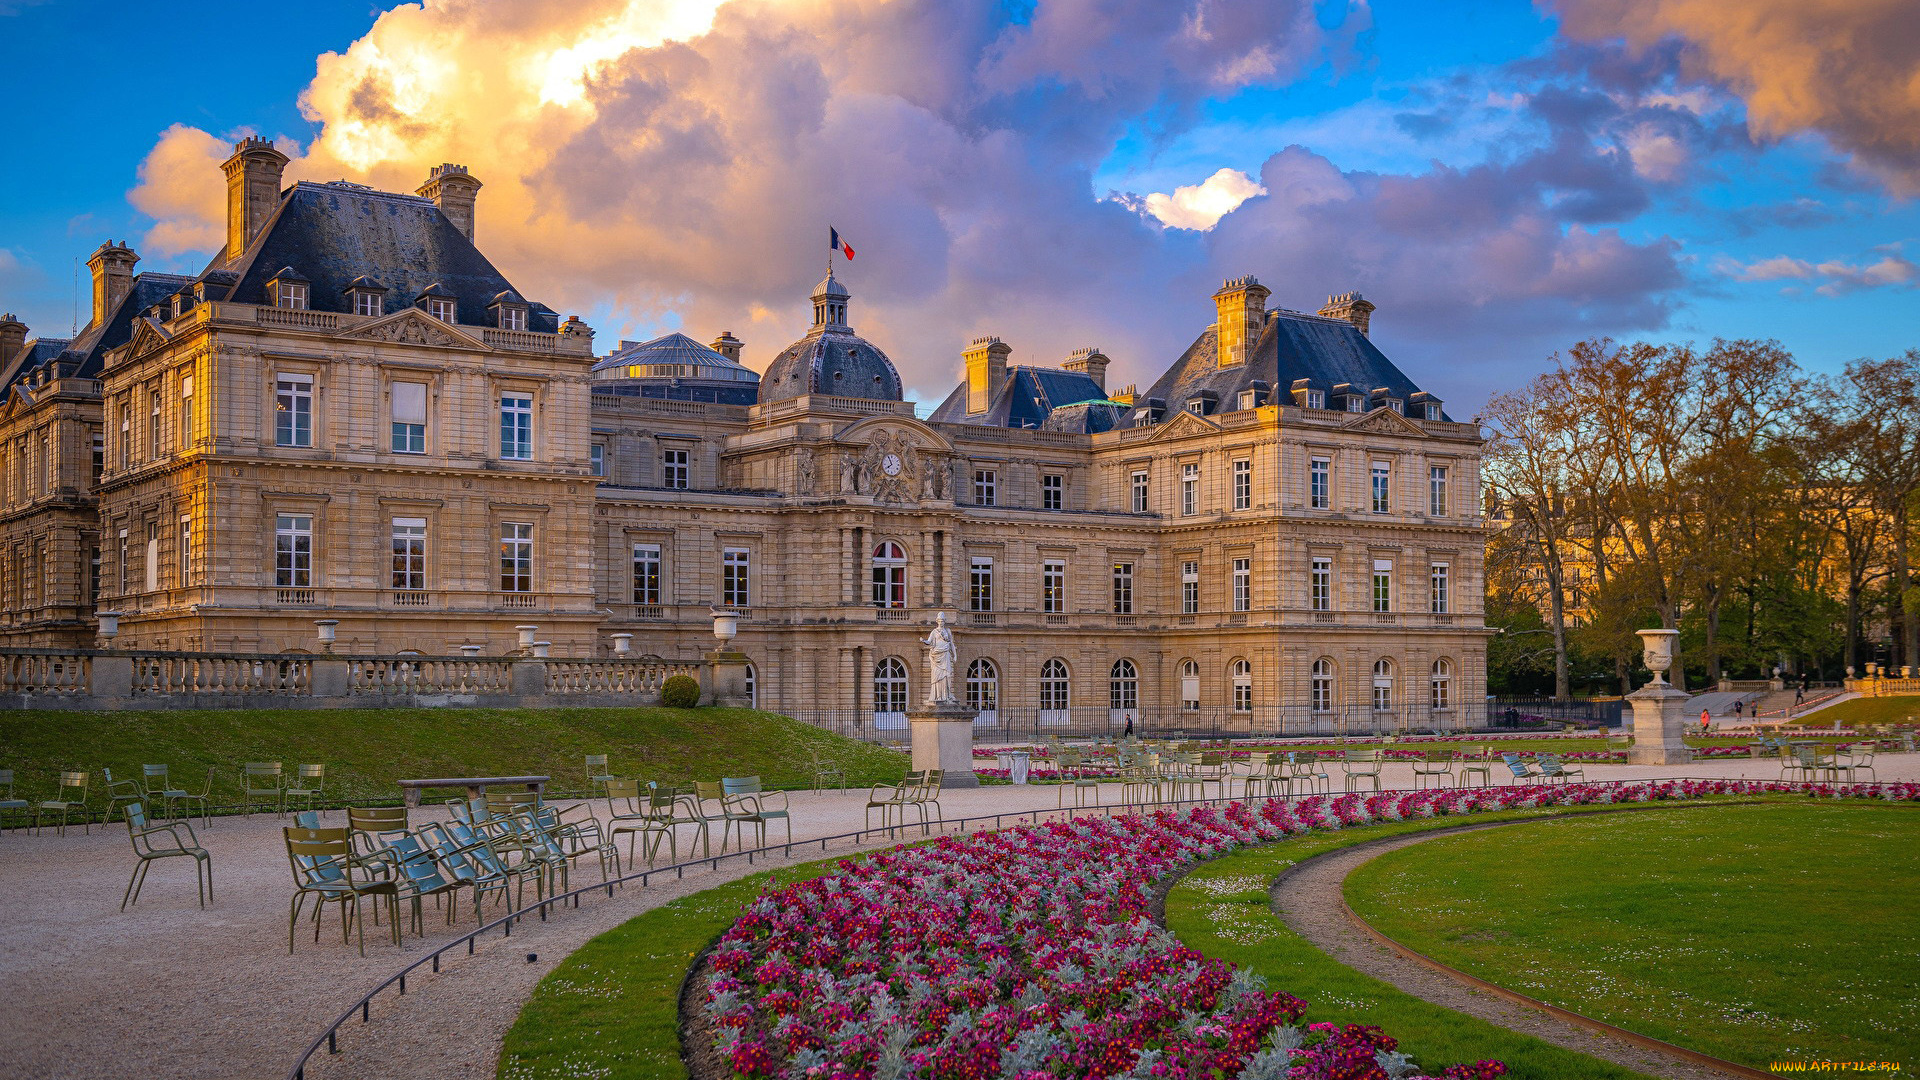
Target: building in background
x=352 y=415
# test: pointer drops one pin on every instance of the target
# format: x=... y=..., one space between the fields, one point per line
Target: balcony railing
x=296 y=319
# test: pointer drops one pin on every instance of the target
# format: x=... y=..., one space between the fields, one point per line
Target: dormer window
x=440 y=308
x=1249 y=399
x=1316 y=399
x=1397 y=405
x=513 y=318
x=1356 y=403
x=1197 y=407
x=287 y=289
x=1433 y=411
x=509 y=310
x=366 y=297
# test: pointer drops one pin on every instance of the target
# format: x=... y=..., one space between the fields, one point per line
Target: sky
x=1502 y=179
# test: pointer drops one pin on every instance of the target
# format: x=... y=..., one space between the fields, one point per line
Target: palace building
x=352 y=415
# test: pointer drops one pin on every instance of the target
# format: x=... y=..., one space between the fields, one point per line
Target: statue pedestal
x=726 y=679
x=943 y=739
x=1659 y=719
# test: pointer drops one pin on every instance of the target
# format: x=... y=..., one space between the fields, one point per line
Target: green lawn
x=1775 y=932
x=612 y=1009
x=365 y=750
x=1878 y=710
x=1222 y=909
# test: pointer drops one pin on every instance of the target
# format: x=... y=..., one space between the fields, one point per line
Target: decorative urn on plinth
x=727 y=667
x=943 y=727
x=1659 y=710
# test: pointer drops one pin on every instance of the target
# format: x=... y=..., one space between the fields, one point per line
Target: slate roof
x=1029 y=398
x=82 y=357
x=1293 y=345
x=333 y=234
x=675 y=348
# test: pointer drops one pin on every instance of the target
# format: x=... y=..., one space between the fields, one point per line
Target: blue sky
x=1500 y=185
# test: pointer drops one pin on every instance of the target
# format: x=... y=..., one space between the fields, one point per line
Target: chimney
x=453 y=191
x=112 y=266
x=1125 y=395
x=1350 y=306
x=1091 y=362
x=728 y=346
x=13 y=334
x=1241 y=309
x=986 y=372
x=253 y=190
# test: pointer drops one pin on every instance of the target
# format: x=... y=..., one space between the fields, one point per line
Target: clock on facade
x=891 y=464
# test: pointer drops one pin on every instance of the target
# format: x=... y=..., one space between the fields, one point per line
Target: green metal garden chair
x=598 y=774
x=263 y=780
x=1436 y=765
x=309 y=784
x=745 y=793
x=1520 y=770
x=1854 y=759
x=71 y=796
x=1361 y=765
x=892 y=799
x=1267 y=775
x=1072 y=767
x=119 y=792
x=204 y=797
x=325 y=867
x=148 y=845
x=8 y=801
x=1303 y=767
x=1554 y=769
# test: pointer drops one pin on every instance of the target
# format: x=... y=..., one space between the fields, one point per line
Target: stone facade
x=1107 y=556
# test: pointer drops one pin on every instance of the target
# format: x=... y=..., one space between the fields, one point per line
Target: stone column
x=1659 y=710
x=943 y=739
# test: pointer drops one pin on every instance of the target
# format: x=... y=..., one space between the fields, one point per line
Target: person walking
x=1129 y=725
x=1706 y=723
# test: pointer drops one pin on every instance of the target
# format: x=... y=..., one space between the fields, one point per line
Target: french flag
x=834 y=242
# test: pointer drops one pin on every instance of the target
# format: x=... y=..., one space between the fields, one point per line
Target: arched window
x=1242 y=686
x=1442 y=684
x=753 y=688
x=889 y=576
x=983 y=686
x=1123 y=686
x=1322 y=696
x=1383 y=685
x=890 y=687
x=1053 y=686
x=1189 y=686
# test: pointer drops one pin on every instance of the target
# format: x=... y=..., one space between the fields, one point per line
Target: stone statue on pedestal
x=941 y=658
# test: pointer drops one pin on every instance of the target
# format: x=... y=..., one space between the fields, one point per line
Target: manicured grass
x=1222 y=909
x=1776 y=932
x=1859 y=711
x=366 y=750
x=612 y=1009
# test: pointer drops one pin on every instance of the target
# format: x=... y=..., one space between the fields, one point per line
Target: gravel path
x=1308 y=899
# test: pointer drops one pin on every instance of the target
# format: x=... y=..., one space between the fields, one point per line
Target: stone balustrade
x=113 y=679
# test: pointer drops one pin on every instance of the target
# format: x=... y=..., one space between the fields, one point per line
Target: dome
x=675 y=356
x=831 y=359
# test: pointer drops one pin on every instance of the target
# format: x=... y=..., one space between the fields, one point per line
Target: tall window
x=292 y=551
x=153 y=423
x=983 y=686
x=1321 y=688
x=409 y=554
x=597 y=459
x=516 y=556
x=1139 y=480
x=183 y=570
x=409 y=430
x=986 y=487
x=889 y=576
x=1242 y=686
x=1053 y=491
x=736 y=578
x=516 y=427
x=1053 y=586
x=646 y=574
x=1382 y=488
x=1123 y=588
x=1437 y=489
x=1242 y=485
x=1190 y=488
x=675 y=470
x=1320 y=483
x=440 y=308
x=1383 y=585
x=1441 y=684
x=1123 y=686
x=1054 y=695
x=1383 y=685
x=980 y=583
x=1440 y=589
x=49 y=471
x=1189 y=687
x=1243 y=584
x=186 y=412
x=890 y=686
x=123 y=450
x=153 y=556
x=122 y=567
x=97 y=440
x=1320 y=585
x=293 y=410
x=1190 y=587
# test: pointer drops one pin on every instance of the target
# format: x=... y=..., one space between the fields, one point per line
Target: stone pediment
x=1384 y=421
x=1184 y=425
x=146 y=337
x=412 y=326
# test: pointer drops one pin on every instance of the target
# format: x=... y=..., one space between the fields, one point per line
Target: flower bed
x=1029 y=953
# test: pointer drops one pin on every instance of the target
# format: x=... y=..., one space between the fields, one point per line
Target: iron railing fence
x=1266 y=722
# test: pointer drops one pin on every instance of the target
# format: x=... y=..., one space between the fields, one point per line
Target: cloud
x=680 y=162
x=1200 y=206
x=1846 y=69
x=1837 y=277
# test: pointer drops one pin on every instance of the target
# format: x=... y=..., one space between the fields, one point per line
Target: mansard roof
x=83 y=356
x=337 y=234
x=1030 y=397
x=1293 y=346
